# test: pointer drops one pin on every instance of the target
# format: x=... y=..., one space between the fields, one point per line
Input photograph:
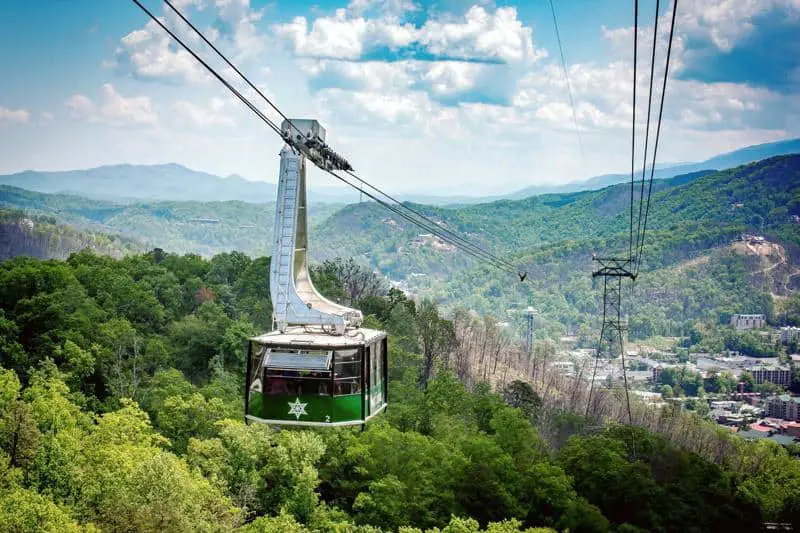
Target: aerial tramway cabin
x=319 y=367
x=309 y=378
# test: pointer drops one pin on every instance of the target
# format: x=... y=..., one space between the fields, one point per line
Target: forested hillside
x=692 y=269
x=121 y=410
x=43 y=238
x=203 y=228
x=697 y=208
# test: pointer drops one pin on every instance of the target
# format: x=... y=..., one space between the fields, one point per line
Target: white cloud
x=14 y=116
x=387 y=7
x=389 y=108
x=343 y=37
x=238 y=17
x=115 y=109
x=371 y=76
x=217 y=113
x=449 y=77
x=150 y=53
x=724 y=22
x=480 y=35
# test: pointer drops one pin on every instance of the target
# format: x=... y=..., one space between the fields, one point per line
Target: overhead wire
x=658 y=134
x=400 y=209
x=417 y=213
x=229 y=63
x=566 y=78
x=633 y=121
x=647 y=127
x=275 y=107
x=210 y=69
x=434 y=228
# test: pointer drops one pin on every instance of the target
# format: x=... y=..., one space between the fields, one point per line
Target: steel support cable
x=271 y=104
x=566 y=78
x=633 y=122
x=434 y=229
x=229 y=63
x=647 y=127
x=210 y=69
x=472 y=249
x=452 y=234
x=658 y=134
x=496 y=262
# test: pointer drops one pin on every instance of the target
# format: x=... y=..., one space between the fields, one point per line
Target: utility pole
x=612 y=270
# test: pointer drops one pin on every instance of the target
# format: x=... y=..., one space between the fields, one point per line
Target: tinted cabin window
x=375 y=377
x=347 y=371
x=283 y=377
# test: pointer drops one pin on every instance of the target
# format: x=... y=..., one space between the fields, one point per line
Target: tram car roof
x=315 y=336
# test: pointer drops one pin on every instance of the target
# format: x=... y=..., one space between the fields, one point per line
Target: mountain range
x=694 y=219
x=173 y=182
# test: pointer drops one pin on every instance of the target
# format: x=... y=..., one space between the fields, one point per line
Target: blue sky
x=435 y=96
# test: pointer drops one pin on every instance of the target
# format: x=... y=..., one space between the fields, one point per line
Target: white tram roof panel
x=314 y=336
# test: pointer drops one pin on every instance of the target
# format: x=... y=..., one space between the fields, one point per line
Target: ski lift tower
x=319 y=367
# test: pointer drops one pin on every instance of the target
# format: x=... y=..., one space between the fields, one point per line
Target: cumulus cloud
x=724 y=22
x=217 y=113
x=236 y=20
x=149 y=53
x=342 y=36
x=14 y=116
x=386 y=7
x=113 y=109
x=480 y=35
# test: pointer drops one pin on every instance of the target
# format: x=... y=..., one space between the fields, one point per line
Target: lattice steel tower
x=612 y=332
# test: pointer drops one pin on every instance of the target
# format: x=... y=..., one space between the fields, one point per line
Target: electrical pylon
x=612 y=332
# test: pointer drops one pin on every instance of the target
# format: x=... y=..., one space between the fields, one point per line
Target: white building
x=774 y=374
x=742 y=322
x=790 y=334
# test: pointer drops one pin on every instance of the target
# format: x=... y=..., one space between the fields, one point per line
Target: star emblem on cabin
x=297 y=408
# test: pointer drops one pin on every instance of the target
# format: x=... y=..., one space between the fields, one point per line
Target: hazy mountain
x=732 y=159
x=205 y=228
x=131 y=183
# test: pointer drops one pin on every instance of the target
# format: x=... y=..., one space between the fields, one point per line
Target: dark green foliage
x=82 y=337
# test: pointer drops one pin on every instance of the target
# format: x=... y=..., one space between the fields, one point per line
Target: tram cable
x=417 y=219
x=211 y=70
x=222 y=56
x=417 y=213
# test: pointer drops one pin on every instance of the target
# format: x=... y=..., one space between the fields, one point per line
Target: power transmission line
x=633 y=121
x=566 y=78
x=647 y=128
x=658 y=134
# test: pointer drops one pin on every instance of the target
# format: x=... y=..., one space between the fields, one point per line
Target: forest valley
x=121 y=409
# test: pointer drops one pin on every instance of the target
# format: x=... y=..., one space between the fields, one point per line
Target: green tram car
x=305 y=377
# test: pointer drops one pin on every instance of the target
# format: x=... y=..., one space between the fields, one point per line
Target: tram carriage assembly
x=319 y=367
